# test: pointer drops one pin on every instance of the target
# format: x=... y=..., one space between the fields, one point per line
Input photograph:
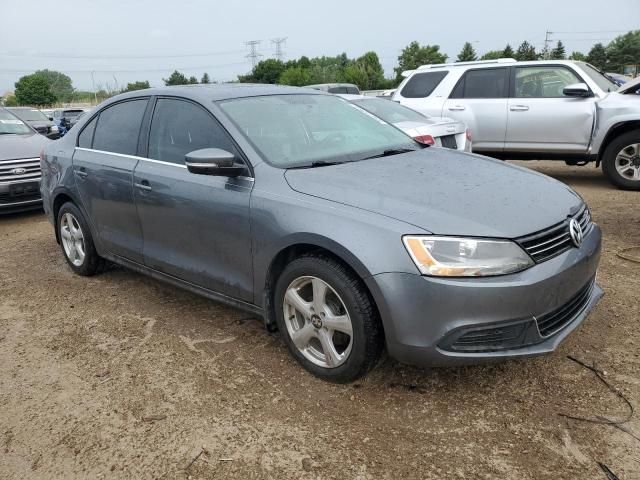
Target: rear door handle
x=518 y=108
x=455 y=108
x=143 y=185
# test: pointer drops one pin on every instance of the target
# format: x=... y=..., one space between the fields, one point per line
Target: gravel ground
x=120 y=376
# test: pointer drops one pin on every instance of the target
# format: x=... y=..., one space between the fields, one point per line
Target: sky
x=107 y=43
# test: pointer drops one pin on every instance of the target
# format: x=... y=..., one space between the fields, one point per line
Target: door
x=479 y=99
x=195 y=227
x=103 y=166
x=541 y=119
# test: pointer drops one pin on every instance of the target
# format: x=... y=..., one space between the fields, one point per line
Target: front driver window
x=543 y=82
x=179 y=127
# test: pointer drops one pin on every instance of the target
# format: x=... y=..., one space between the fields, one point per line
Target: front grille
x=449 y=141
x=554 y=321
x=31 y=167
x=490 y=339
x=24 y=196
x=555 y=240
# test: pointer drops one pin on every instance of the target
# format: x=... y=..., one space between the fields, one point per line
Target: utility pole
x=253 y=54
x=547 y=39
x=93 y=84
x=279 y=42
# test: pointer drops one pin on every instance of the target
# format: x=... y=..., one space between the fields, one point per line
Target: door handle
x=143 y=185
x=518 y=108
x=81 y=172
x=455 y=108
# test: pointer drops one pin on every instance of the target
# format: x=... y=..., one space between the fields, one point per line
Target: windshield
x=29 y=114
x=12 y=124
x=604 y=82
x=302 y=130
x=389 y=111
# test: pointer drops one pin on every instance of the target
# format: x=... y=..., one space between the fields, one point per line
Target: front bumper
x=422 y=314
x=20 y=196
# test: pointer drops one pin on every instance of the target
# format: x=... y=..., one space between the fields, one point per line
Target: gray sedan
x=334 y=226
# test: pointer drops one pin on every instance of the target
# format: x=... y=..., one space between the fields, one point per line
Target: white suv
x=552 y=109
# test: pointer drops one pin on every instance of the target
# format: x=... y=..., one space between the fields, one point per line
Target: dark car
x=20 y=148
x=36 y=120
x=66 y=118
x=330 y=223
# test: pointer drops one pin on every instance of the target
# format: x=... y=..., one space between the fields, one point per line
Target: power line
x=153 y=70
x=253 y=54
x=121 y=57
x=278 y=42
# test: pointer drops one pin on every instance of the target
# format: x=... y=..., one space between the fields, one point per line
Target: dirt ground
x=120 y=376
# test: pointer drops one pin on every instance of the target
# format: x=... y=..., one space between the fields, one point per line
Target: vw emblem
x=19 y=171
x=575 y=230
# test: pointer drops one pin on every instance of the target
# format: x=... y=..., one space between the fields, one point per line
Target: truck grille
x=12 y=170
x=556 y=320
x=449 y=141
x=555 y=240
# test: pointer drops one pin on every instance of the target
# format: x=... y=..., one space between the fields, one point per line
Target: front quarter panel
x=611 y=111
x=280 y=217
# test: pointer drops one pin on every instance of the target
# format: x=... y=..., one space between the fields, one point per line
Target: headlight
x=465 y=257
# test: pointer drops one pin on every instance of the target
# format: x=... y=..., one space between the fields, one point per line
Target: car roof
x=350 y=96
x=485 y=63
x=221 y=91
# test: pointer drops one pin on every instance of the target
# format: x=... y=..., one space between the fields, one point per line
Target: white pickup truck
x=556 y=109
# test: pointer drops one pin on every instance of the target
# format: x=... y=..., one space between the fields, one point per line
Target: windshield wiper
x=391 y=151
x=318 y=163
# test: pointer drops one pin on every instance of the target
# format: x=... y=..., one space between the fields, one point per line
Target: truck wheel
x=621 y=161
x=327 y=319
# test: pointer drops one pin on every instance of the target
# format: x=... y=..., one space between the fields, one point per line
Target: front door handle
x=518 y=108
x=82 y=173
x=456 y=108
x=143 y=185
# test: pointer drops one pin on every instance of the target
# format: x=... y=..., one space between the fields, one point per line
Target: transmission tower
x=253 y=54
x=547 y=40
x=279 y=42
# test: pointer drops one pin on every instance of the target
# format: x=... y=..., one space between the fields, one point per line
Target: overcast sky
x=127 y=40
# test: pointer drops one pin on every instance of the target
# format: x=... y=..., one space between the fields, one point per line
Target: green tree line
x=47 y=87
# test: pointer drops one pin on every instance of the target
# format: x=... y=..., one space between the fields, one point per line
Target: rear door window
x=421 y=85
x=85 y=139
x=482 y=83
x=119 y=126
x=179 y=127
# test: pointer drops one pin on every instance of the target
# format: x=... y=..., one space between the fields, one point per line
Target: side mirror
x=213 y=161
x=577 y=90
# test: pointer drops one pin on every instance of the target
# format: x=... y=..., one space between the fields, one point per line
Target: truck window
x=421 y=85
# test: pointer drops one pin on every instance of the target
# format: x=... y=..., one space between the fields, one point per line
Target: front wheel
x=76 y=241
x=327 y=319
x=621 y=161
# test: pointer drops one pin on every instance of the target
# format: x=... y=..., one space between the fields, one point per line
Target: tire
x=76 y=241
x=614 y=161
x=345 y=301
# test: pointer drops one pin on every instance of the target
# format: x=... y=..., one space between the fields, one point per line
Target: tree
x=414 y=55
x=623 y=50
x=176 y=78
x=467 y=54
x=366 y=72
x=597 y=56
x=558 y=53
x=296 y=76
x=10 y=101
x=59 y=83
x=265 y=71
x=578 y=56
x=193 y=80
x=34 y=89
x=139 y=85
x=508 y=52
x=525 y=52
x=205 y=78
x=492 y=55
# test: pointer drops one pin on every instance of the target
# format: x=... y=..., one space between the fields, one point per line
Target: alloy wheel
x=628 y=162
x=72 y=239
x=318 y=322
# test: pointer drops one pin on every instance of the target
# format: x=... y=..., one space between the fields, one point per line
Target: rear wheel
x=327 y=319
x=76 y=241
x=621 y=161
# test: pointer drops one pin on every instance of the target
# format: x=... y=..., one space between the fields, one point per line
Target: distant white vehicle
x=438 y=131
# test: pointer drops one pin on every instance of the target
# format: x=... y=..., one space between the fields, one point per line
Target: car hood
x=14 y=147
x=40 y=123
x=444 y=192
